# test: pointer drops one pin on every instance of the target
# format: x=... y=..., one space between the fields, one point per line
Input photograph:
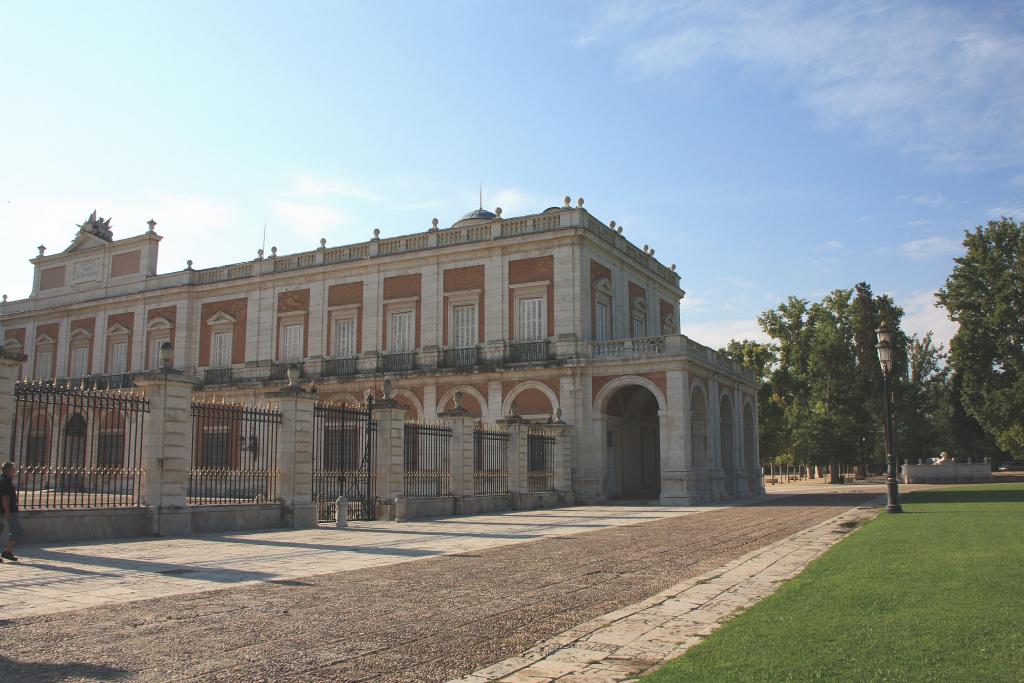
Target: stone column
x=518 y=456
x=295 y=453
x=461 y=462
x=390 y=419
x=166 y=451
x=715 y=472
x=10 y=364
x=678 y=479
x=563 y=460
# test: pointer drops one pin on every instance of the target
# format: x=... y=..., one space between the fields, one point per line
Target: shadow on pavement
x=11 y=670
x=961 y=496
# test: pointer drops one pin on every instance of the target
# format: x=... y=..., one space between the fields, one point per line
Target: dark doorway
x=633 y=443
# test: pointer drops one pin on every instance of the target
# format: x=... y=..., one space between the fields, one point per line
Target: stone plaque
x=86 y=271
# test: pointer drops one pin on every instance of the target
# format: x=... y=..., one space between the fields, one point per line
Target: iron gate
x=344 y=451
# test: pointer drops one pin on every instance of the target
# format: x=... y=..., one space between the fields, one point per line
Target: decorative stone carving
x=99 y=227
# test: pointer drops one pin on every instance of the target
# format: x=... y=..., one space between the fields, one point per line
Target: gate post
x=462 y=448
x=390 y=417
x=10 y=363
x=295 y=453
x=518 y=455
x=563 y=460
x=166 y=451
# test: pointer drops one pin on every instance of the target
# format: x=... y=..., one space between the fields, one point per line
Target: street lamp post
x=884 y=347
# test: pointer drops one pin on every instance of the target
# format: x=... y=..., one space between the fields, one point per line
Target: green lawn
x=934 y=594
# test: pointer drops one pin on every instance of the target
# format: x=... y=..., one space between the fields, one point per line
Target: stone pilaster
x=461 y=453
x=166 y=451
x=390 y=441
x=10 y=364
x=295 y=453
x=518 y=456
x=678 y=479
x=563 y=457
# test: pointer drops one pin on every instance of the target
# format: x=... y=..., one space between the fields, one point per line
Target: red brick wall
x=635 y=291
x=469 y=402
x=458 y=279
x=401 y=287
x=665 y=309
x=125 y=264
x=290 y=302
x=51 y=278
x=237 y=309
x=597 y=273
x=126 y=320
x=526 y=270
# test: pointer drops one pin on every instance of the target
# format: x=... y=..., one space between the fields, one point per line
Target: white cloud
x=718 y=333
x=692 y=303
x=921 y=316
x=309 y=185
x=907 y=73
x=310 y=221
x=1008 y=211
x=931 y=247
x=831 y=245
x=930 y=199
x=919 y=222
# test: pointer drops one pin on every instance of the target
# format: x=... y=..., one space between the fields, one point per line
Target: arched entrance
x=725 y=438
x=632 y=442
x=699 y=441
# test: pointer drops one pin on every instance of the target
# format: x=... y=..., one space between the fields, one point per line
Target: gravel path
x=428 y=620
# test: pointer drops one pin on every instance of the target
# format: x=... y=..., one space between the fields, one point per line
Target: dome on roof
x=479 y=213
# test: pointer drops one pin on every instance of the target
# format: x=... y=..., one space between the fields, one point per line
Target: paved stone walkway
x=60 y=577
x=642 y=637
x=433 y=619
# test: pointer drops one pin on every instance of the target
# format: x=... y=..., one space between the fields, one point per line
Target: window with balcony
x=531 y=319
x=464 y=326
x=119 y=358
x=154 y=352
x=401 y=334
x=602 y=322
x=44 y=363
x=638 y=317
x=80 y=360
x=291 y=342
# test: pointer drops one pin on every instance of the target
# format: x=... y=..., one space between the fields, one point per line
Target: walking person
x=9 y=505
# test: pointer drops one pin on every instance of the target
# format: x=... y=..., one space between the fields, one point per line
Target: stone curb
x=639 y=638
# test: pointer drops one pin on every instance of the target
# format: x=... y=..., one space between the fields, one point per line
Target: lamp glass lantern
x=166 y=354
x=884 y=347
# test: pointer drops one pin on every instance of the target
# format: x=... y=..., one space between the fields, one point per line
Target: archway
x=725 y=438
x=633 y=444
x=699 y=441
x=534 y=400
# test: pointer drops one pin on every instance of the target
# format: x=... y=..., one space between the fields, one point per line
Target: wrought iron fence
x=528 y=352
x=344 y=453
x=490 y=461
x=77 y=447
x=234 y=454
x=459 y=358
x=338 y=367
x=398 y=362
x=540 y=463
x=426 y=450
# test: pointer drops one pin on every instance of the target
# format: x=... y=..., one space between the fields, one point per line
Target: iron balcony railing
x=459 y=358
x=528 y=352
x=398 y=362
x=217 y=376
x=338 y=367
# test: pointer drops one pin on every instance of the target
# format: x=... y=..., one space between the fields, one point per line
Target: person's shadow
x=11 y=670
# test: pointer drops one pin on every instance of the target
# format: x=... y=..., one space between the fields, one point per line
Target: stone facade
x=552 y=316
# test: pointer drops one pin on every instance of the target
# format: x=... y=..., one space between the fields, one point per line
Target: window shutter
x=601 y=309
x=119 y=358
x=464 y=322
x=530 y=319
x=44 y=363
x=639 y=327
x=154 y=353
x=80 y=361
x=221 y=350
x=401 y=332
x=292 y=342
x=345 y=338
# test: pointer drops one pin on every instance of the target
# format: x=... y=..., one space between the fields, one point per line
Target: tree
x=985 y=295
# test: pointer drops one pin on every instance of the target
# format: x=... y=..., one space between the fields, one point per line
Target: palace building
x=553 y=316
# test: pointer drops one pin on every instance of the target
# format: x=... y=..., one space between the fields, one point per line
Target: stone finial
x=497 y=212
x=579 y=203
x=259 y=254
x=5 y=298
x=458 y=400
x=513 y=409
x=646 y=248
x=152 y=225
x=386 y=389
x=652 y=252
x=612 y=225
x=568 y=201
x=433 y=225
x=619 y=229
x=323 y=242
x=376 y=233
x=673 y=266
x=188 y=264
x=42 y=249
x=558 y=415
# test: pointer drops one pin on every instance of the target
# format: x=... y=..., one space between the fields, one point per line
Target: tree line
x=821 y=382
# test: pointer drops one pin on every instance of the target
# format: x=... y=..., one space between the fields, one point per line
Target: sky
x=767 y=149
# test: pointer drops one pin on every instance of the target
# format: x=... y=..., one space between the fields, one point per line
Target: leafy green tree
x=985 y=295
x=924 y=408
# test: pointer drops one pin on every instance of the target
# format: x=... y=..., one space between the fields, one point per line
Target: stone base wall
x=967 y=473
x=406 y=509
x=208 y=519
x=48 y=526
